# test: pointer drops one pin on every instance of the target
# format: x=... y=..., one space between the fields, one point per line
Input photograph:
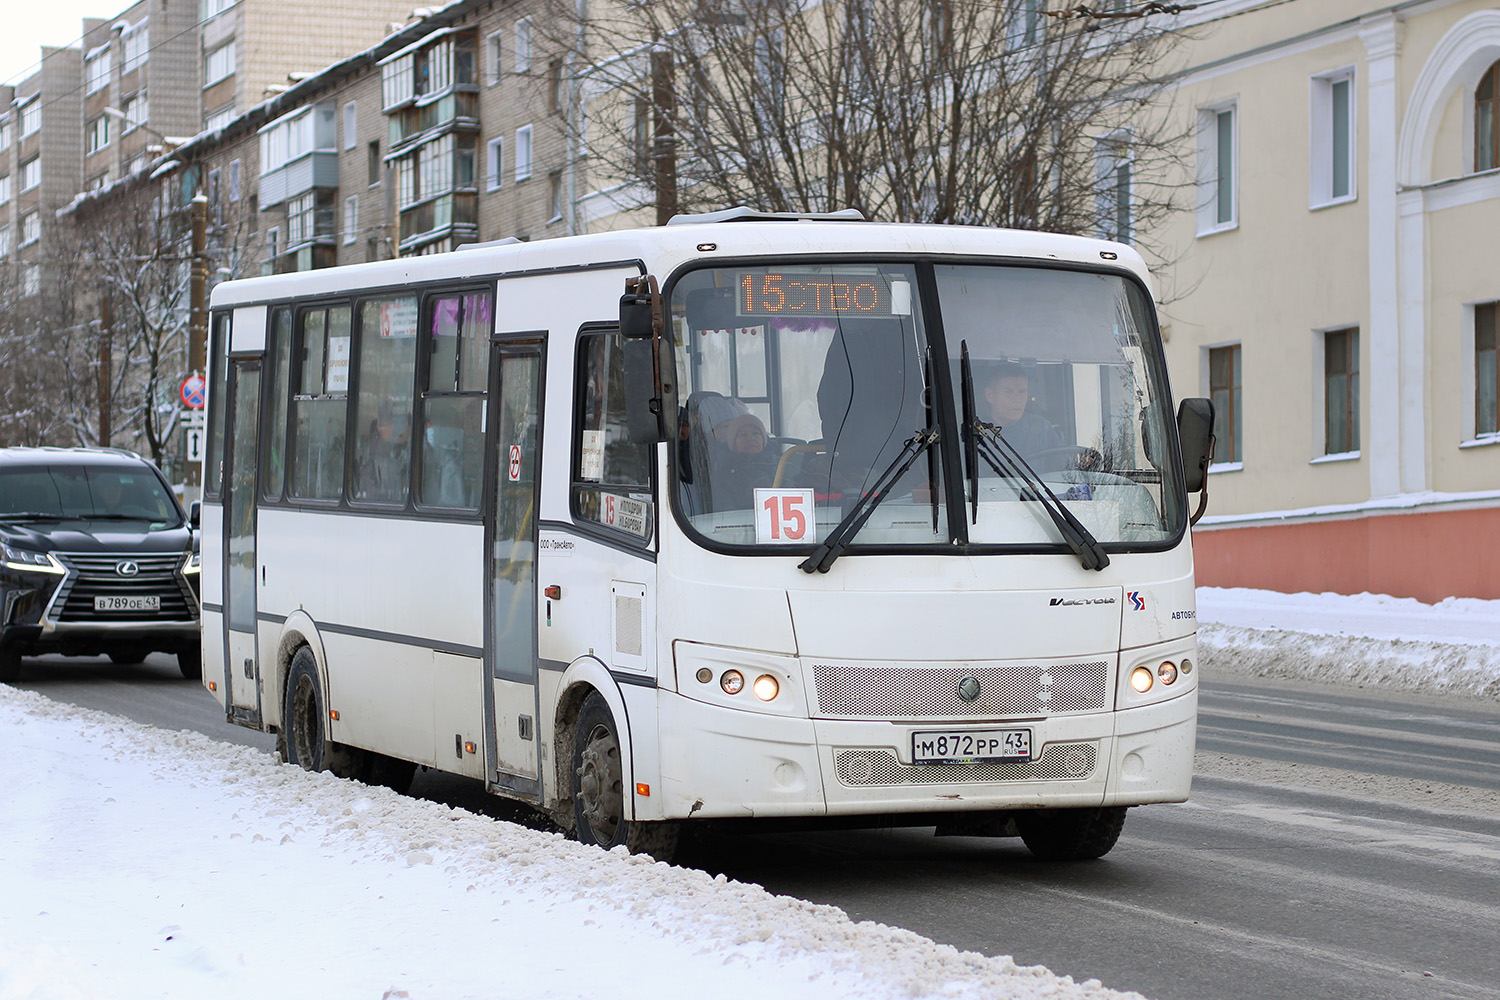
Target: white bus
x=738 y=518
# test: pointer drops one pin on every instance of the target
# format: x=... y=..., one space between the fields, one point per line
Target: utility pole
x=664 y=142
x=106 y=362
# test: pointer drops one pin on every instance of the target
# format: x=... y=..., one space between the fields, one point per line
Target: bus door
x=241 y=674
x=513 y=442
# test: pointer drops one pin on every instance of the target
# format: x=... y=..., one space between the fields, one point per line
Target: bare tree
x=949 y=111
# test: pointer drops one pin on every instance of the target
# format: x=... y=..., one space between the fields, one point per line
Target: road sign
x=194 y=391
x=195 y=444
x=194 y=418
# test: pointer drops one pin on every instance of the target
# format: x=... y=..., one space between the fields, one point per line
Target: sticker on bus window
x=626 y=514
x=591 y=456
x=337 y=373
x=784 y=517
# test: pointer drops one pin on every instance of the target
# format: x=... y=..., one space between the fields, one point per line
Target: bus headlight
x=1140 y=679
x=766 y=687
x=1167 y=671
x=732 y=681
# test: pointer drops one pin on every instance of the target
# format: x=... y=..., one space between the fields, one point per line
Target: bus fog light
x=766 y=688
x=1140 y=679
x=704 y=675
x=1187 y=666
x=1167 y=672
x=732 y=681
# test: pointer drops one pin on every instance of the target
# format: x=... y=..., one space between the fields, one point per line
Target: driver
x=1008 y=392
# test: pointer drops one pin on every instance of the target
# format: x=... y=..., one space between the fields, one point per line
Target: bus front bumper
x=744 y=764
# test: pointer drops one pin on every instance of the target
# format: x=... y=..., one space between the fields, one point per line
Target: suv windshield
x=86 y=493
x=803 y=385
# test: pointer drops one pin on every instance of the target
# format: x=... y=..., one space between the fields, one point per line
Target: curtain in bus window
x=319 y=408
x=454 y=400
x=382 y=407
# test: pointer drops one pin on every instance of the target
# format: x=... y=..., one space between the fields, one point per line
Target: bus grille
x=1059 y=762
x=93 y=575
x=1029 y=689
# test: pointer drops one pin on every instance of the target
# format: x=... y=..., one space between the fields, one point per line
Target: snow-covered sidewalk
x=137 y=863
x=1363 y=640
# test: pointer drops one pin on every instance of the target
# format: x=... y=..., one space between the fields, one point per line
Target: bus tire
x=305 y=716
x=1071 y=834
x=599 y=789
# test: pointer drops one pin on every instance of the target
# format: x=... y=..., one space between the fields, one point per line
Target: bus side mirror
x=195 y=514
x=1195 y=429
x=646 y=392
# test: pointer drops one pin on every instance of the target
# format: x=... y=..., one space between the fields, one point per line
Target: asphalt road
x=1253 y=889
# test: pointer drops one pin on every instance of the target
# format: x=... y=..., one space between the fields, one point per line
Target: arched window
x=1487 y=120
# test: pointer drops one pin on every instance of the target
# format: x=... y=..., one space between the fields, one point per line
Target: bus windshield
x=810 y=390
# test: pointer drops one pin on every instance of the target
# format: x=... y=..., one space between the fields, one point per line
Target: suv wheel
x=190 y=662
x=10 y=663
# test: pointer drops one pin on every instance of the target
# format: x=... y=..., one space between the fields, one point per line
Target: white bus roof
x=663 y=249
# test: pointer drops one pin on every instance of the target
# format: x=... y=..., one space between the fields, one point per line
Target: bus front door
x=513 y=442
x=241 y=673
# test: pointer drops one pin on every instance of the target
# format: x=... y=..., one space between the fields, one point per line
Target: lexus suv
x=96 y=558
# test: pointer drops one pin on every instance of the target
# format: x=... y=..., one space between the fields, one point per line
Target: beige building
x=1330 y=292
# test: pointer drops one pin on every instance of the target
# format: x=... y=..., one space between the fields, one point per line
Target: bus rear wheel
x=599 y=789
x=304 y=721
x=1071 y=834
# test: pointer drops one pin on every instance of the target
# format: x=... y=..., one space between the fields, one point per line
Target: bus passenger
x=740 y=459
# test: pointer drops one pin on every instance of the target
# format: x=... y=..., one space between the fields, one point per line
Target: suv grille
x=93 y=575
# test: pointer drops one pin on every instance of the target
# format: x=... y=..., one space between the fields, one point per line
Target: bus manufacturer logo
x=1137 y=602
x=1075 y=602
x=968 y=688
x=127 y=568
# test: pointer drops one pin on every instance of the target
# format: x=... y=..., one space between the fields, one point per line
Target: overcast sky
x=30 y=24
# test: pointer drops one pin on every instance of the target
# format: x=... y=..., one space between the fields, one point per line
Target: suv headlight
x=192 y=564
x=29 y=562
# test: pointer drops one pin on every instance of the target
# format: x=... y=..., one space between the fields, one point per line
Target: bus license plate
x=970 y=746
x=123 y=603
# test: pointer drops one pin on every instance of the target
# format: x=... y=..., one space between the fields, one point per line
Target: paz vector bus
x=746 y=518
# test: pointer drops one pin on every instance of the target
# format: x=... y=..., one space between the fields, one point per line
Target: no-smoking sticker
x=513 y=470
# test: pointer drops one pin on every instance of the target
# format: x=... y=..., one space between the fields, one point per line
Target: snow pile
x=1364 y=640
x=138 y=863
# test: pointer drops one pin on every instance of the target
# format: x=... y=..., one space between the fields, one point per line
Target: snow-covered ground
x=138 y=863
x=1365 y=640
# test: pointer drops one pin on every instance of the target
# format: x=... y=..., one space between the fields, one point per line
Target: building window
x=494 y=165
x=273 y=243
x=234 y=181
x=523 y=46
x=4 y=241
x=218 y=64
x=555 y=196
x=4 y=132
x=96 y=134
x=1025 y=28
x=351 y=130
x=220 y=118
x=208 y=8
x=309 y=217
x=136 y=112
x=1486 y=369
x=96 y=66
x=31 y=280
x=372 y=163
x=640 y=138
x=295 y=135
x=136 y=40
x=31 y=173
x=31 y=118
x=1487 y=120
x=523 y=152
x=492 y=48
x=4 y=189
x=1332 y=141
x=1112 y=168
x=1217 y=145
x=31 y=228
x=1340 y=392
x=556 y=98
x=351 y=219
x=1224 y=390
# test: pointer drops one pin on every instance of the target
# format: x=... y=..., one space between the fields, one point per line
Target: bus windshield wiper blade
x=843 y=533
x=1002 y=456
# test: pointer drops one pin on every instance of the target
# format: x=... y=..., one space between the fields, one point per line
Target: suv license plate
x=956 y=746
x=122 y=603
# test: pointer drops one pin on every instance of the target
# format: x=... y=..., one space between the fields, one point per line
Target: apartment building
x=1329 y=290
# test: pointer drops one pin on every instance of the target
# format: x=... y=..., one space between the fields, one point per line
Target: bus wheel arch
x=305 y=720
x=598 y=784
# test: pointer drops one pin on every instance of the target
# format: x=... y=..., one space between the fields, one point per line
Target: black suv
x=96 y=557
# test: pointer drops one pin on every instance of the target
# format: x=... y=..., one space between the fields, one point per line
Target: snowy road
x=1297 y=875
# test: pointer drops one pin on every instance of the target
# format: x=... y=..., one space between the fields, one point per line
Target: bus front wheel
x=599 y=789
x=304 y=720
x=1071 y=834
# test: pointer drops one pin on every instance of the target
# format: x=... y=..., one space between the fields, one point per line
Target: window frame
x=1228 y=449
x=1349 y=357
x=520 y=163
x=429 y=295
x=1323 y=139
x=1484 y=313
x=1481 y=112
x=216 y=55
x=494 y=164
x=1211 y=180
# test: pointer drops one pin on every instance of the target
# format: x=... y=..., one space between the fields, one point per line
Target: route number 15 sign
x=784 y=517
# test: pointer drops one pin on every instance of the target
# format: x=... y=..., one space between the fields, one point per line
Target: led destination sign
x=786 y=293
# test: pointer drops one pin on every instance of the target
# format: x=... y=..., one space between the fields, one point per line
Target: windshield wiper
x=31 y=515
x=843 y=533
x=985 y=440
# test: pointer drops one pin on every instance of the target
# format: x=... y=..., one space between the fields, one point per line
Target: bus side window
x=382 y=408
x=320 y=405
x=279 y=356
x=218 y=367
x=453 y=400
x=611 y=474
